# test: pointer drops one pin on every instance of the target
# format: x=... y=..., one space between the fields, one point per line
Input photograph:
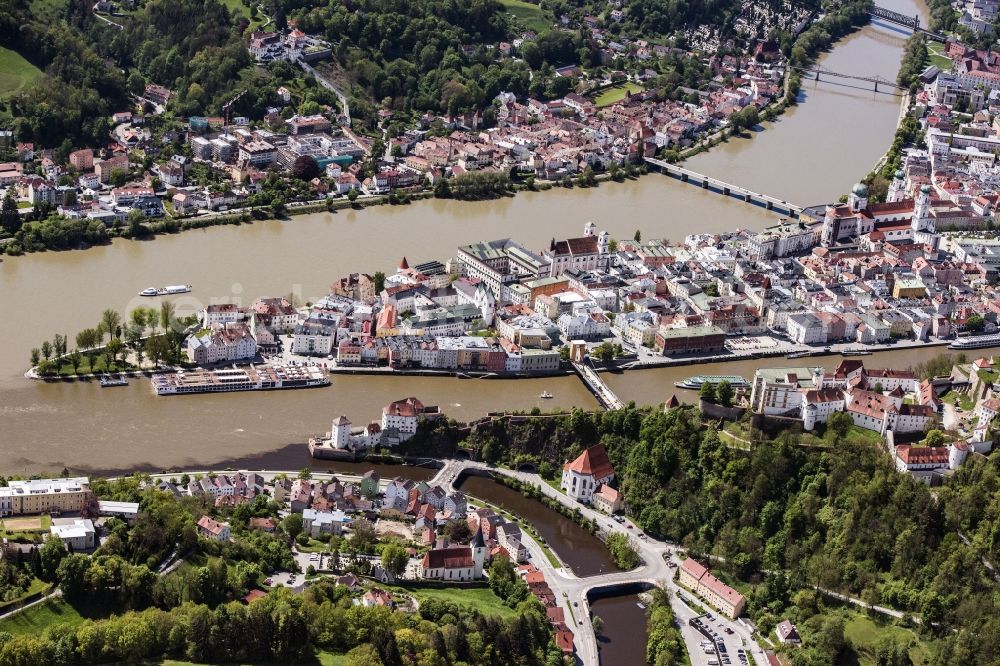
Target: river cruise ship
x=695 y=383
x=976 y=342
x=253 y=378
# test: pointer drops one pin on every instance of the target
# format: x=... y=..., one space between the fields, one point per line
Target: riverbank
x=806 y=48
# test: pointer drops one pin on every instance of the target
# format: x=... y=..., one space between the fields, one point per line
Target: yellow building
x=908 y=288
x=44 y=496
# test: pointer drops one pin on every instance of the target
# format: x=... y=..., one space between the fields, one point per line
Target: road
x=573 y=589
x=332 y=88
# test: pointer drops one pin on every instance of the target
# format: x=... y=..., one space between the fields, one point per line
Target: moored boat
x=695 y=383
x=113 y=380
x=546 y=395
x=976 y=342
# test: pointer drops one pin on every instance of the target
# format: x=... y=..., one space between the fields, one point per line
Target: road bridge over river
x=728 y=189
x=572 y=591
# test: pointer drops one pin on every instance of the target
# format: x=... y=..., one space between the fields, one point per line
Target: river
x=624 y=637
x=812 y=154
x=583 y=552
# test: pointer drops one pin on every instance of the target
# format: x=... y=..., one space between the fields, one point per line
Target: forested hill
x=79 y=90
x=828 y=511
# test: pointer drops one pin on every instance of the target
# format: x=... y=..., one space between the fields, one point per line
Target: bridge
x=604 y=395
x=573 y=592
x=816 y=72
x=911 y=22
x=708 y=183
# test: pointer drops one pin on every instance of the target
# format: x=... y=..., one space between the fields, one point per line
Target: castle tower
x=589 y=229
x=340 y=433
x=809 y=416
x=478 y=546
x=858 y=198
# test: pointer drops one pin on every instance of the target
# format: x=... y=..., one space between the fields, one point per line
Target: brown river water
x=810 y=155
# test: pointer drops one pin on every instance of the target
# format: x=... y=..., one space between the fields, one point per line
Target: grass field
x=617 y=93
x=530 y=15
x=34 y=620
x=865 y=634
x=26 y=523
x=16 y=73
x=480 y=598
x=937 y=56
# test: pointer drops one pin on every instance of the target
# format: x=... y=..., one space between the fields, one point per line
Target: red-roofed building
x=253 y=596
x=564 y=639
x=581 y=478
x=725 y=599
x=608 y=500
x=213 y=529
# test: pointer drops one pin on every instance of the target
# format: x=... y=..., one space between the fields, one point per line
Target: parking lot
x=720 y=644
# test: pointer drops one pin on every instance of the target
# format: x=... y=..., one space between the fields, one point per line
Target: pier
x=727 y=189
x=604 y=395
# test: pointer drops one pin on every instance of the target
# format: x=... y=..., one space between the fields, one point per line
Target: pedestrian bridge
x=604 y=395
x=727 y=189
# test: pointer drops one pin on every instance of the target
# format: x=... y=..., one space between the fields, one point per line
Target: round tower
x=809 y=416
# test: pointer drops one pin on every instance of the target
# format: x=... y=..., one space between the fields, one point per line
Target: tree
x=305 y=167
x=598 y=624
x=638 y=236
x=839 y=424
x=59 y=344
x=975 y=323
x=10 y=218
x=47 y=350
x=394 y=559
x=87 y=338
x=442 y=190
x=352 y=196
x=935 y=437
x=35 y=356
x=52 y=553
x=292 y=525
x=118 y=177
x=167 y=318
x=724 y=393
x=707 y=392
x=379 y=280
x=458 y=531
x=111 y=322
x=115 y=347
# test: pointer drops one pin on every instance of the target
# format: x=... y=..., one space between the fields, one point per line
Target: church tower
x=589 y=229
x=922 y=220
x=897 y=188
x=858 y=198
x=478 y=546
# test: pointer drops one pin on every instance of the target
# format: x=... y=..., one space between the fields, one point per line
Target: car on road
x=269 y=582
